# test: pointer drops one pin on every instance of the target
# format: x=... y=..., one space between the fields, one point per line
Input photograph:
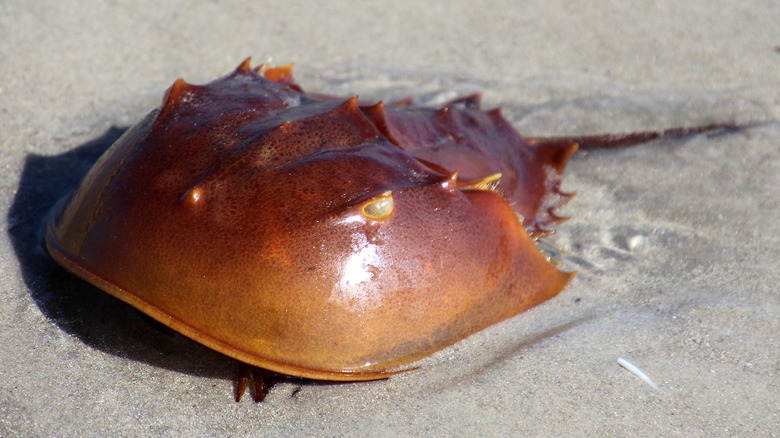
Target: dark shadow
x=82 y=310
x=78 y=308
x=502 y=354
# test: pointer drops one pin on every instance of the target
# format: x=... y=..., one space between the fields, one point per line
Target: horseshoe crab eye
x=379 y=207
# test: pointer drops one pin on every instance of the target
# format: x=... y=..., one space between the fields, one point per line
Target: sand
x=676 y=242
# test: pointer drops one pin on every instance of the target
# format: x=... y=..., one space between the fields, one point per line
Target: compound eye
x=379 y=207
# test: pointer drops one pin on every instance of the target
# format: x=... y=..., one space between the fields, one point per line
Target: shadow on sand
x=75 y=306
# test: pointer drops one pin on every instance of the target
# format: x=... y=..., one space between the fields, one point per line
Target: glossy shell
x=310 y=235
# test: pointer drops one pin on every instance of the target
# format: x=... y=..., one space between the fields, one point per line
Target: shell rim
x=72 y=264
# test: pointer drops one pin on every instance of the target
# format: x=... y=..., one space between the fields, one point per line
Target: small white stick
x=636 y=371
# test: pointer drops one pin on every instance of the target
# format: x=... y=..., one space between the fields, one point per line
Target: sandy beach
x=676 y=242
